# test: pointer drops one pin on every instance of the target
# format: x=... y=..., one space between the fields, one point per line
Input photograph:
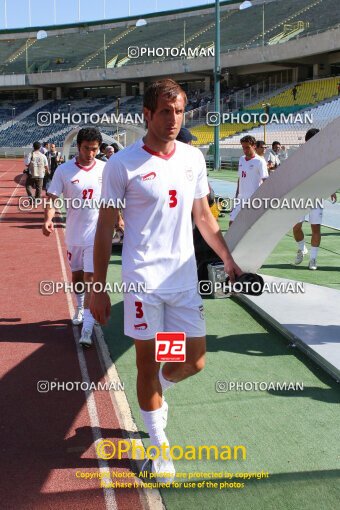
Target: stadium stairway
x=26 y=113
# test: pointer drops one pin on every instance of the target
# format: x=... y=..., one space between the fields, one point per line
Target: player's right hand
x=100 y=306
x=48 y=228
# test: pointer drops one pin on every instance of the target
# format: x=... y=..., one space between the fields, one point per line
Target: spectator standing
x=275 y=156
x=101 y=154
x=37 y=169
x=44 y=148
x=109 y=151
x=294 y=92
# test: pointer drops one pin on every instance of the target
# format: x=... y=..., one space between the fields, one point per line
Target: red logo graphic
x=75 y=181
x=141 y=326
x=149 y=176
x=170 y=346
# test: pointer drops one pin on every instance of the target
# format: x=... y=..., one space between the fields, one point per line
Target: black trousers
x=38 y=186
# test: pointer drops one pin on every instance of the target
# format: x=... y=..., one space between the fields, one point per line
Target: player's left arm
x=211 y=233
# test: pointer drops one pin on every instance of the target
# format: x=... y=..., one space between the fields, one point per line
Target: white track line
x=10 y=198
x=1 y=175
x=109 y=494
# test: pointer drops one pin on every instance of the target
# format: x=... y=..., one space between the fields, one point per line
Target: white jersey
x=78 y=183
x=251 y=172
x=159 y=192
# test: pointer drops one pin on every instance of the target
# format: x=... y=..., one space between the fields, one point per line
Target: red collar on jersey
x=86 y=168
x=248 y=159
x=163 y=156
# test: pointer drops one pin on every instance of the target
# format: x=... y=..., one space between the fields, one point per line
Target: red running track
x=46 y=438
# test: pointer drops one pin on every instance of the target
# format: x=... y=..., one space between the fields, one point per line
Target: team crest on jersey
x=148 y=177
x=189 y=174
x=201 y=309
x=76 y=181
x=141 y=326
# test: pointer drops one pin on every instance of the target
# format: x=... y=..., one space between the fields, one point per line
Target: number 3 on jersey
x=173 y=198
x=139 y=309
x=88 y=192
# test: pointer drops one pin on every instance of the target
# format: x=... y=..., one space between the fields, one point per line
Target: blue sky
x=42 y=11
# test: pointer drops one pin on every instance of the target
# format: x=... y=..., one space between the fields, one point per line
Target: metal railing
x=224 y=49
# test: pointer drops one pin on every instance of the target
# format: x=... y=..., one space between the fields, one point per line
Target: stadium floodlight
x=245 y=5
x=42 y=34
x=141 y=23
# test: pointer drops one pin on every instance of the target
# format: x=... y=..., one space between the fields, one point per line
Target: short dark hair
x=103 y=146
x=36 y=146
x=115 y=146
x=259 y=143
x=167 y=87
x=275 y=143
x=248 y=139
x=45 y=144
x=89 y=134
x=310 y=133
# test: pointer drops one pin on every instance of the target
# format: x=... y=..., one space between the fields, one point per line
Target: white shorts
x=80 y=258
x=146 y=314
x=314 y=216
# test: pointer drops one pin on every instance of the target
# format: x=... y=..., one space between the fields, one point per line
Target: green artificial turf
x=293 y=435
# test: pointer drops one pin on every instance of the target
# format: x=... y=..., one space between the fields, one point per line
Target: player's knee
x=197 y=365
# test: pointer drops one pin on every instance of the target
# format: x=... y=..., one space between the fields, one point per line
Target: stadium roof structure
x=105 y=44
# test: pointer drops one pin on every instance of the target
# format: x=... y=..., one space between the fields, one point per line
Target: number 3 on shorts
x=139 y=309
x=173 y=199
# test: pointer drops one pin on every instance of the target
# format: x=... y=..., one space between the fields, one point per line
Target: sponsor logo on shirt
x=76 y=181
x=189 y=173
x=141 y=326
x=149 y=176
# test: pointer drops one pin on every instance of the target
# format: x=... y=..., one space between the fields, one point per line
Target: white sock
x=165 y=383
x=80 y=300
x=88 y=320
x=153 y=421
x=301 y=245
x=314 y=252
